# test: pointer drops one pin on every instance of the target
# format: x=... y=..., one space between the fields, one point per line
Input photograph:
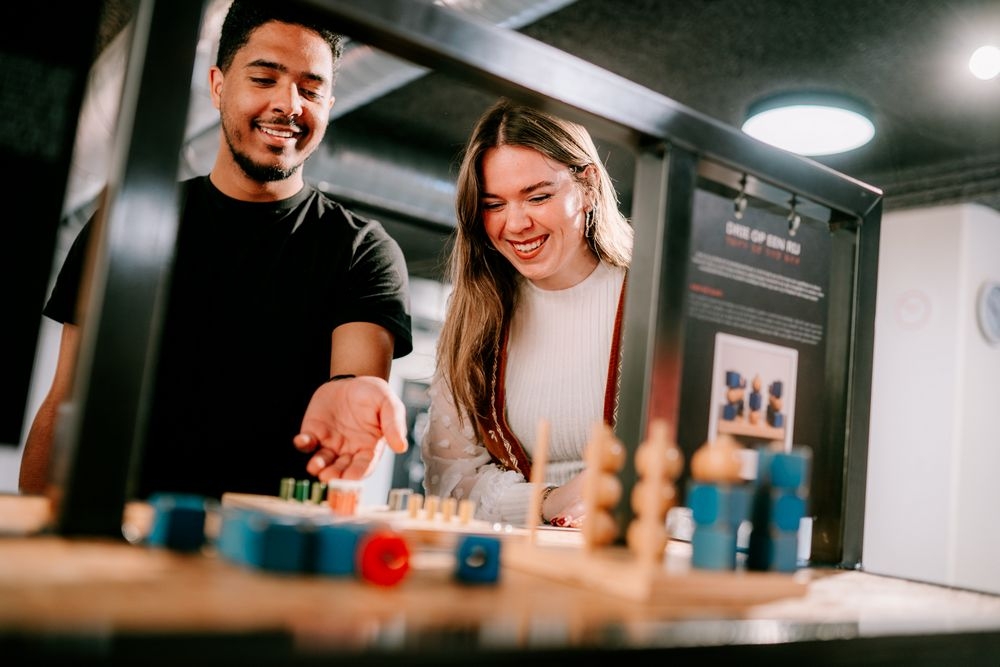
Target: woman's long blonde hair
x=484 y=283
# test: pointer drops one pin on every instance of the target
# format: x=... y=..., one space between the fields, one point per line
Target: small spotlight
x=810 y=123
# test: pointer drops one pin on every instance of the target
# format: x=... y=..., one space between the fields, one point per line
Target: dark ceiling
x=937 y=127
x=906 y=58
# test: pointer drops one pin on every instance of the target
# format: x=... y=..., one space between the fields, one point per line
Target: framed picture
x=753 y=391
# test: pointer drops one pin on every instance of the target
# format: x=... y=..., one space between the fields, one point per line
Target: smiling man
x=285 y=310
x=273 y=87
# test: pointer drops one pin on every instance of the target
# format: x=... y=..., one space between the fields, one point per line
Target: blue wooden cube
x=477 y=559
x=267 y=542
x=724 y=504
x=773 y=550
x=286 y=546
x=787 y=509
x=713 y=548
x=336 y=548
x=178 y=521
x=790 y=470
x=234 y=536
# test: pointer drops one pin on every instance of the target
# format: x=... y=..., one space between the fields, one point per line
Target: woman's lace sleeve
x=457 y=464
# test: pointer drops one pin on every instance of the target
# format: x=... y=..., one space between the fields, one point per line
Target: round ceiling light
x=985 y=62
x=810 y=123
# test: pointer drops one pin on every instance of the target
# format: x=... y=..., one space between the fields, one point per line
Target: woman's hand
x=564 y=507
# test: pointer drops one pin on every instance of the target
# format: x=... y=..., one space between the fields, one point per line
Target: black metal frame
x=100 y=435
x=672 y=144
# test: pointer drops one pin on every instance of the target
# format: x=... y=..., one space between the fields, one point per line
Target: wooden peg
x=539 y=460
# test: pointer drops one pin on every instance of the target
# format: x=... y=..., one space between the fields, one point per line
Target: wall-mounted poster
x=755 y=328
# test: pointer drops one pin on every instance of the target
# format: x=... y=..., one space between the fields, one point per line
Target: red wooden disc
x=383 y=558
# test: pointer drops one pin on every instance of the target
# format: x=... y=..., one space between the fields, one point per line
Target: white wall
x=934 y=444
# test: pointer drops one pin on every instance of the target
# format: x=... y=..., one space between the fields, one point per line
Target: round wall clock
x=989 y=311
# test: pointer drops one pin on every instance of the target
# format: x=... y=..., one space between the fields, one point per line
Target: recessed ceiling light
x=810 y=123
x=985 y=62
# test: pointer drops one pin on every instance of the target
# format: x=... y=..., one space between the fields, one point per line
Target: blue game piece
x=713 y=548
x=787 y=509
x=725 y=504
x=336 y=548
x=478 y=559
x=784 y=551
x=178 y=521
x=287 y=546
x=765 y=454
x=233 y=533
x=790 y=470
x=263 y=541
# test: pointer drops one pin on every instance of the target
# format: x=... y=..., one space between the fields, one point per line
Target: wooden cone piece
x=717 y=461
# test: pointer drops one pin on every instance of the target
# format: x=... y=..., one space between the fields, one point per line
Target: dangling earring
x=588 y=229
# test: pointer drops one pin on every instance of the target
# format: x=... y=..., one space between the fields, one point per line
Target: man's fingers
x=392 y=421
x=360 y=465
x=334 y=469
x=305 y=442
x=396 y=441
x=317 y=463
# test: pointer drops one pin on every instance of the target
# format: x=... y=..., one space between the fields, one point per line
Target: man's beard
x=260 y=173
x=263 y=173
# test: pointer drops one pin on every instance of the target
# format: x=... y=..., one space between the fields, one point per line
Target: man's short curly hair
x=245 y=16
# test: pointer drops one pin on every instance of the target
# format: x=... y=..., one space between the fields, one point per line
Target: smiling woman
x=535 y=213
x=532 y=327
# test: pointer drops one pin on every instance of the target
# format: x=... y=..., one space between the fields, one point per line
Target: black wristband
x=344 y=376
x=546 y=492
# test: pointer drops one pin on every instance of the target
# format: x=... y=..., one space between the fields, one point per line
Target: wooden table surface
x=103 y=601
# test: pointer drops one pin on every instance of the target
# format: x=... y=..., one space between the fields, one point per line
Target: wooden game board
x=569 y=555
x=648 y=571
x=436 y=531
x=617 y=571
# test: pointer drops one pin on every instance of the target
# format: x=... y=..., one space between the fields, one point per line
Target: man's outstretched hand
x=347 y=424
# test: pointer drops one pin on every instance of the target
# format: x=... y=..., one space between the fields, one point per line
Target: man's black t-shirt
x=255 y=292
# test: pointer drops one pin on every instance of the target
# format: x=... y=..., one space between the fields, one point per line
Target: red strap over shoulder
x=499 y=440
